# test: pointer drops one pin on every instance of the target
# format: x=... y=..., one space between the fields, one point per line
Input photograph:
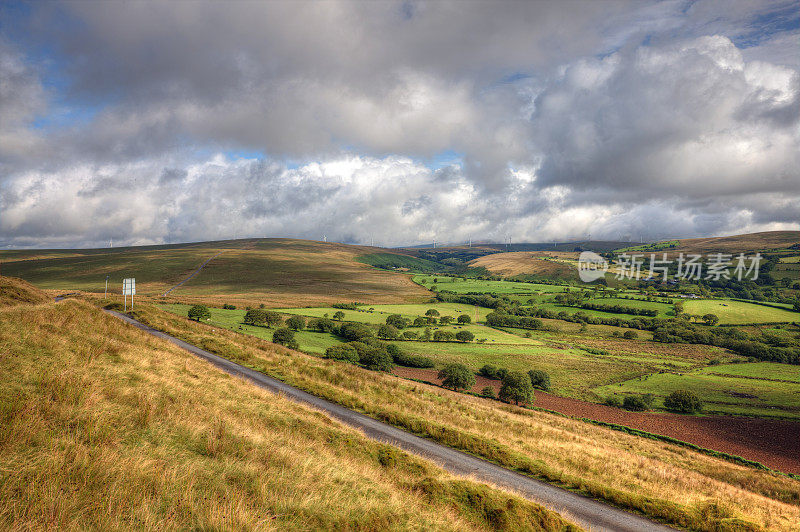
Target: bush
x=464 y=318
x=229 y=307
x=516 y=387
x=321 y=325
x=355 y=331
x=343 y=352
x=431 y=312
x=630 y=335
x=377 y=359
x=539 y=379
x=338 y=315
x=489 y=371
x=273 y=318
x=457 y=377
x=443 y=336
x=683 y=401
x=613 y=400
x=464 y=336
x=199 y=312
x=634 y=403
x=388 y=332
x=285 y=337
x=296 y=323
x=410 y=335
x=412 y=361
x=397 y=321
x=255 y=317
x=446 y=320
x=488 y=392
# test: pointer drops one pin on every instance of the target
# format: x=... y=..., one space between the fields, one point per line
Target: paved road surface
x=589 y=513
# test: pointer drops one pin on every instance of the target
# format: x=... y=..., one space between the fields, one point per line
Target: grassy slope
x=278 y=272
x=528 y=263
x=739 y=312
x=758 y=389
x=15 y=291
x=747 y=243
x=104 y=427
x=660 y=479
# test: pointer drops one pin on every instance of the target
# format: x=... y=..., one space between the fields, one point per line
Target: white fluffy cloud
x=565 y=120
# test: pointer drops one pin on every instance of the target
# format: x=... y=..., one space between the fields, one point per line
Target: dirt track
x=774 y=443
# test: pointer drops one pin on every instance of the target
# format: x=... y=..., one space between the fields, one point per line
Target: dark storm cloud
x=128 y=119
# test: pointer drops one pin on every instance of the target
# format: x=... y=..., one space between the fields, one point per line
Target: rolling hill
x=276 y=272
x=545 y=263
x=747 y=243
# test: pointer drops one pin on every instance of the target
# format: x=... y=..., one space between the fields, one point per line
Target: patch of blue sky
x=444 y=158
x=767 y=25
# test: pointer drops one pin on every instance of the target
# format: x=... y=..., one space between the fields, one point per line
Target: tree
x=273 y=319
x=796 y=305
x=464 y=318
x=711 y=319
x=355 y=331
x=489 y=371
x=516 y=387
x=226 y=306
x=446 y=320
x=630 y=335
x=285 y=337
x=426 y=334
x=634 y=403
x=338 y=315
x=296 y=323
x=377 y=359
x=419 y=321
x=443 y=336
x=457 y=377
x=431 y=312
x=255 y=317
x=683 y=401
x=343 y=352
x=199 y=312
x=388 y=332
x=539 y=379
x=321 y=325
x=464 y=336
x=397 y=321
x=488 y=392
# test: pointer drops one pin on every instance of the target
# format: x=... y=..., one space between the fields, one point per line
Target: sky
x=397 y=122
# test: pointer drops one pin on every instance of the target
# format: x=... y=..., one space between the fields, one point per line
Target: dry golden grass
x=104 y=427
x=673 y=483
x=15 y=291
x=527 y=263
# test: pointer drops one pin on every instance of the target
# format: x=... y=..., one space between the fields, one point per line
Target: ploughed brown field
x=772 y=442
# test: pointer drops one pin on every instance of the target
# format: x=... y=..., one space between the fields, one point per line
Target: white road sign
x=129 y=286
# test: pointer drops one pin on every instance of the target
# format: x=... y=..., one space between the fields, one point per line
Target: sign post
x=128 y=289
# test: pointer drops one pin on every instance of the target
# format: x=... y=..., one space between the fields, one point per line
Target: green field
x=733 y=312
x=759 y=389
x=461 y=285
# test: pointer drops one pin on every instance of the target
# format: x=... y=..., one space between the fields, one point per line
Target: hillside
x=550 y=264
x=276 y=272
x=103 y=427
x=747 y=243
x=15 y=291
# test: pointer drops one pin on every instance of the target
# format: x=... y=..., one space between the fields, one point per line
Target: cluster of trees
x=619 y=309
x=680 y=401
x=761 y=347
x=346 y=306
x=373 y=354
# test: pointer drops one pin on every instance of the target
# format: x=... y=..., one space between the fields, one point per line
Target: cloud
x=123 y=120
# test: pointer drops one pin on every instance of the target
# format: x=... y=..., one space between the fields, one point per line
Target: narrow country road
x=584 y=511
